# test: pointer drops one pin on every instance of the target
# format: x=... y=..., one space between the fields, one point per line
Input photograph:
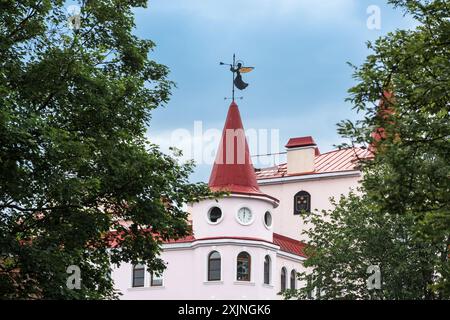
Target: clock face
x=245 y=216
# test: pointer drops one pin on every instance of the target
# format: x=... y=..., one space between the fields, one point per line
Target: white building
x=247 y=245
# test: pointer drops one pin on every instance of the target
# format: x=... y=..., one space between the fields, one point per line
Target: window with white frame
x=214 y=215
x=267 y=268
x=243 y=267
x=156 y=279
x=214 y=266
x=283 y=279
x=293 y=279
x=138 y=276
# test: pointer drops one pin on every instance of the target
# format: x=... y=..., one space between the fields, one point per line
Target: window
x=138 y=275
x=267 y=270
x=268 y=219
x=214 y=266
x=302 y=202
x=293 y=279
x=243 y=267
x=156 y=280
x=314 y=292
x=283 y=279
x=214 y=215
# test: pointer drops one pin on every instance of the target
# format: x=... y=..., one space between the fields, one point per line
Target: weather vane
x=237 y=68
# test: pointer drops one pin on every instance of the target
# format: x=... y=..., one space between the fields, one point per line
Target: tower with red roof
x=246 y=244
x=233 y=169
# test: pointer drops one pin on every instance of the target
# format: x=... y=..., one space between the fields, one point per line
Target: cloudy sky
x=299 y=49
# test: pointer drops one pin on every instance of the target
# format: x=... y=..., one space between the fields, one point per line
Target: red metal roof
x=333 y=161
x=289 y=245
x=300 y=142
x=233 y=169
x=286 y=244
x=186 y=239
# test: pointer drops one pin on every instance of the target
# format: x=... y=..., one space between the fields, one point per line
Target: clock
x=245 y=216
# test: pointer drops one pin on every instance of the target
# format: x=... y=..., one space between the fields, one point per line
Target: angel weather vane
x=237 y=68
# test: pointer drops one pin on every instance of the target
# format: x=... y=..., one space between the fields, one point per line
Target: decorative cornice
x=316 y=176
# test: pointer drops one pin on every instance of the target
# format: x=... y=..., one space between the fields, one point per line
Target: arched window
x=214 y=266
x=283 y=279
x=293 y=279
x=138 y=275
x=302 y=202
x=243 y=267
x=267 y=270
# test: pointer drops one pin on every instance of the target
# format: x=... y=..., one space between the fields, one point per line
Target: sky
x=299 y=48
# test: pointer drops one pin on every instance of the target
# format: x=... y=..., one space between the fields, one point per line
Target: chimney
x=301 y=153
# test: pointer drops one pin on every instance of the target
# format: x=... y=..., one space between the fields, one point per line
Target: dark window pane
x=243 y=267
x=214 y=270
x=138 y=276
x=214 y=275
x=268 y=219
x=283 y=279
x=302 y=202
x=156 y=280
x=215 y=214
x=267 y=270
x=293 y=276
x=214 y=266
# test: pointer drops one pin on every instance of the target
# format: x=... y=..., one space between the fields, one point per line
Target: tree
x=74 y=160
x=400 y=218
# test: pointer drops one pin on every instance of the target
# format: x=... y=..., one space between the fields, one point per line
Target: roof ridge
x=336 y=150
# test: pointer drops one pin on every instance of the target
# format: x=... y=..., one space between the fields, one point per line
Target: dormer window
x=302 y=202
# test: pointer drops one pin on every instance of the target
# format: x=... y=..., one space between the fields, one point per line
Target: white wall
x=290 y=225
x=186 y=274
x=229 y=226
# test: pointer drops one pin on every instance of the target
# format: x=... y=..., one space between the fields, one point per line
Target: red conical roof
x=233 y=169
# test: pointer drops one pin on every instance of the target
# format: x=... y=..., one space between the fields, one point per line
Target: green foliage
x=356 y=235
x=74 y=160
x=400 y=219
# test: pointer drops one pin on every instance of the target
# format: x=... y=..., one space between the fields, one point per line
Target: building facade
x=248 y=244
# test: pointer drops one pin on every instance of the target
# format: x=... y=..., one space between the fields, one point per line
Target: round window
x=268 y=219
x=214 y=214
